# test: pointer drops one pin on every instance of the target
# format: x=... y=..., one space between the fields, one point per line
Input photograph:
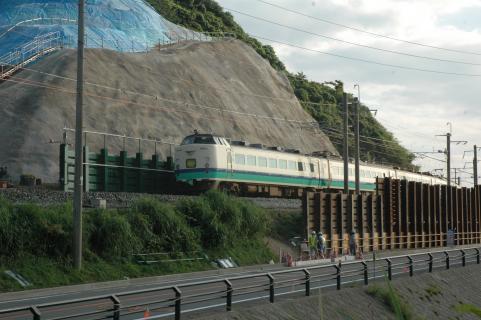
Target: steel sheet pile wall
x=402 y=214
x=117 y=173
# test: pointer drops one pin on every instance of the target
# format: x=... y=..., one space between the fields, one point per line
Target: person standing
x=352 y=243
x=321 y=245
x=312 y=245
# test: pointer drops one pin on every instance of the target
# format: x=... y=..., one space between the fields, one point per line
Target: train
x=208 y=161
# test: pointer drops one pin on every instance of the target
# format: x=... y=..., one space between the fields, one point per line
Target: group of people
x=316 y=245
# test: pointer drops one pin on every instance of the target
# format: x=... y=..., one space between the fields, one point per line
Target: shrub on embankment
x=215 y=223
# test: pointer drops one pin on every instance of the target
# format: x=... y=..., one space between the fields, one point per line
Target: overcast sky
x=414 y=105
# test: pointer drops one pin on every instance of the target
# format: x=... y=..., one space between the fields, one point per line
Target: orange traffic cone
x=147 y=313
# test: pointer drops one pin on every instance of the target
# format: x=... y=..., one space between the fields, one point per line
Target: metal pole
x=77 y=218
x=358 y=149
x=475 y=165
x=346 y=143
x=448 y=151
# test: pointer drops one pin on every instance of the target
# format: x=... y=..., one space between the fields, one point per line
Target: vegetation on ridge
x=321 y=100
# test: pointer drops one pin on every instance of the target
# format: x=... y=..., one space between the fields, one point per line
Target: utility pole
x=77 y=214
x=448 y=155
x=346 y=143
x=357 y=147
x=475 y=165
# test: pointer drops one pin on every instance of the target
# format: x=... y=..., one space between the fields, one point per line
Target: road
x=207 y=290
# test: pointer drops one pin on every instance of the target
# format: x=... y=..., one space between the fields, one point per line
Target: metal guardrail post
x=447 y=259
x=411 y=266
x=430 y=263
x=228 y=304
x=477 y=255
x=271 y=288
x=36 y=313
x=178 y=303
x=338 y=276
x=389 y=269
x=116 y=301
x=308 y=282
x=463 y=258
x=366 y=278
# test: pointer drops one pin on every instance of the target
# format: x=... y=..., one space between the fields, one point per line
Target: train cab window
x=283 y=164
x=292 y=165
x=311 y=165
x=300 y=166
x=251 y=160
x=190 y=163
x=262 y=162
x=272 y=163
x=199 y=139
x=240 y=159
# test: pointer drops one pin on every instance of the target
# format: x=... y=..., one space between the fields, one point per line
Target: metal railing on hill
x=177 y=300
x=47 y=43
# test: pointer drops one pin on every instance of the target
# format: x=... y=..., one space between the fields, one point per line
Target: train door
x=229 y=168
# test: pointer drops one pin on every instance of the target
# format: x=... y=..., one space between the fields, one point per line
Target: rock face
x=223 y=87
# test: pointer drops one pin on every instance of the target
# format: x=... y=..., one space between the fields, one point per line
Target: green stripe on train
x=260 y=178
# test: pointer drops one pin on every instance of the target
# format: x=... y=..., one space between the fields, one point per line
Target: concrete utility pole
x=475 y=165
x=357 y=105
x=448 y=155
x=77 y=215
x=346 y=143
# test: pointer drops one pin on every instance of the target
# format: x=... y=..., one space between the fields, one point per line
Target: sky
x=414 y=105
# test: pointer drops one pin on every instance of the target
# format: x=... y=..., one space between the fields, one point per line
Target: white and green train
x=206 y=161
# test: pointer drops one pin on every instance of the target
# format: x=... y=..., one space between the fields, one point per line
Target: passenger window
x=312 y=167
x=283 y=164
x=300 y=166
x=292 y=165
x=262 y=162
x=240 y=159
x=251 y=160
x=272 y=163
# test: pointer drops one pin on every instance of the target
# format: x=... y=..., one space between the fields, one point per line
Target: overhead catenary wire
x=353 y=43
x=368 y=32
x=366 y=60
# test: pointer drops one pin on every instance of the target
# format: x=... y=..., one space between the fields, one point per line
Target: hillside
x=165 y=94
x=208 y=16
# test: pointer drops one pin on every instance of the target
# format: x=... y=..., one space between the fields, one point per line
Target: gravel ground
x=45 y=196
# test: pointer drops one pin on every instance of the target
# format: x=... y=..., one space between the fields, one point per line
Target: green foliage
x=468 y=308
x=391 y=299
x=37 y=241
x=208 y=16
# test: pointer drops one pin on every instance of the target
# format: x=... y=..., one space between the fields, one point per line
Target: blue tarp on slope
x=122 y=25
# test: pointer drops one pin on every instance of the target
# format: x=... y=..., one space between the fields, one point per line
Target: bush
x=30 y=228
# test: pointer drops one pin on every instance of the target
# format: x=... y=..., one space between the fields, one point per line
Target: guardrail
x=176 y=300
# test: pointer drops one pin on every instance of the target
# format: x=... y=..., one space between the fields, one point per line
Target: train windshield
x=199 y=139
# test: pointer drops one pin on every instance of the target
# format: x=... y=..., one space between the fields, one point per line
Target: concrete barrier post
x=477 y=256
x=411 y=266
x=447 y=259
x=36 y=313
x=463 y=258
x=116 y=301
x=338 y=276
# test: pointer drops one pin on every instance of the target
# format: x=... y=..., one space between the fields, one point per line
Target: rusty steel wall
x=399 y=215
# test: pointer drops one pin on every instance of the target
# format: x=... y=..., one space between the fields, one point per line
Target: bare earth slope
x=167 y=93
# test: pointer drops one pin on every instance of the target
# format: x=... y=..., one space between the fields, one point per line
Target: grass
x=433 y=290
x=468 y=308
x=388 y=295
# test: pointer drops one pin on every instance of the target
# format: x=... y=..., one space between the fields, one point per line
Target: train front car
x=201 y=161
